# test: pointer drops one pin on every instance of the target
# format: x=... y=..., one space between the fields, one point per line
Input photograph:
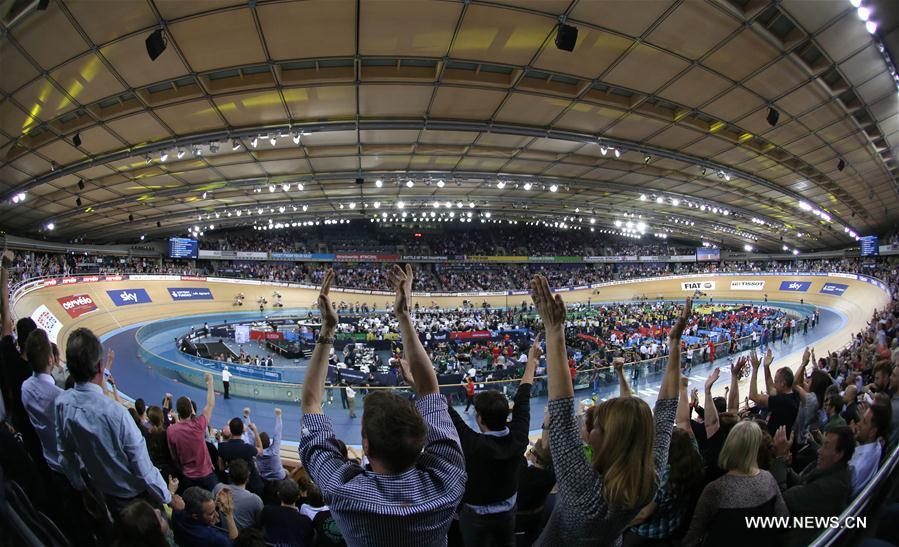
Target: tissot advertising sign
x=747 y=285
x=128 y=297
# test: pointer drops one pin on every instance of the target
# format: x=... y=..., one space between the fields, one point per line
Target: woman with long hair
x=744 y=491
x=597 y=499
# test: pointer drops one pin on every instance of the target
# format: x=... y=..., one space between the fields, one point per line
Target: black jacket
x=493 y=463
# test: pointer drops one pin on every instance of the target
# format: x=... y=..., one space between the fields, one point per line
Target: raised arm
x=624 y=389
x=682 y=419
x=210 y=398
x=671 y=380
x=754 y=395
x=424 y=378
x=533 y=358
x=552 y=312
x=317 y=371
x=711 y=411
x=5 y=313
x=769 y=380
x=733 y=395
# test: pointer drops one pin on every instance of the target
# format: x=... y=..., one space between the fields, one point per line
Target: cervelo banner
x=190 y=293
x=836 y=289
x=698 y=286
x=127 y=297
x=45 y=319
x=746 y=285
x=796 y=286
x=77 y=304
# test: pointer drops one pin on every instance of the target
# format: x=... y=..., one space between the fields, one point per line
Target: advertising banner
x=363 y=257
x=190 y=293
x=303 y=256
x=795 y=286
x=127 y=297
x=45 y=319
x=698 y=286
x=835 y=289
x=77 y=305
x=747 y=285
x=470 y=335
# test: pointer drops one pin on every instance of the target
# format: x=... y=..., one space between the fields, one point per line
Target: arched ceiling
x=471 y=93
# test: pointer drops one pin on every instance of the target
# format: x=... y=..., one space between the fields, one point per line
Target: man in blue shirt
x=195 y=526
x=417 y=472
x=96 y=433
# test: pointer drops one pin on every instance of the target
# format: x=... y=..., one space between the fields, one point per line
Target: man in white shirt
x=226 y=380
x=39 y=395
x=870 y=432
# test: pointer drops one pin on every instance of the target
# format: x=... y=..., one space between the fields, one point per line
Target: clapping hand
x=401 y=281
x=325 y=308
x=551 y=308
x=677 y=330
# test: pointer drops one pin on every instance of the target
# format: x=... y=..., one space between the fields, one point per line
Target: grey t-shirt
x=247 y=505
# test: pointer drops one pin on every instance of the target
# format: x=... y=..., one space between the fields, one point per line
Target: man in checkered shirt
x=418 y=470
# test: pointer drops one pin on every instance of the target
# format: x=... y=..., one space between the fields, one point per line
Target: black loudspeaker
x=841 y=165
x=566 y=37
x=76 y=140
x=155 y=44
x=773 y=116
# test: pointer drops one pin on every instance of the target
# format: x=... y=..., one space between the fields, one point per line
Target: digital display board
x=707 y=254
x=182 y=247
x=870 y=247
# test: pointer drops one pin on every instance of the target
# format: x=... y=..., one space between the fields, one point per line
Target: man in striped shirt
x=417 y=472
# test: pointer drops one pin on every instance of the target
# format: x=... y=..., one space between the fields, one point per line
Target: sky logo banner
x=77 y=305
x=127 y=297
x=190 y=293
x=796 y=286
x=836 y=289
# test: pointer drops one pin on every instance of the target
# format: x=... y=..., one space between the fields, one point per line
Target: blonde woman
x=598 y=498
x=744 y=491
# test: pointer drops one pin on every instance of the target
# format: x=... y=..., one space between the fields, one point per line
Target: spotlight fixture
x=180 y=153
x=76 y=140
x=841 y=164
x=772 y=117
x=566 y=37
x=155 y=43
x=235 y=144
